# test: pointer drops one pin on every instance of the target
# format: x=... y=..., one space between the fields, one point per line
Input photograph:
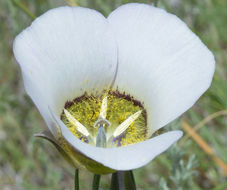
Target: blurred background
x=198 y=161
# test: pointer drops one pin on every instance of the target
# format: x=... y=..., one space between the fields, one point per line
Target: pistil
x=101 y=137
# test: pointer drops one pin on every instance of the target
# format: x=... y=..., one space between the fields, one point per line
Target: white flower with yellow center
x=105 y=85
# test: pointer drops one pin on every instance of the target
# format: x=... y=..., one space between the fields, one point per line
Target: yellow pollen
x=124 y=118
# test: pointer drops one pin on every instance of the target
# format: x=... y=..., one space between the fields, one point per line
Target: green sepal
x=48 y=136
x=76 y=158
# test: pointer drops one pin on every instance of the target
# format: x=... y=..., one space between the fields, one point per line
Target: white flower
x=140 y=50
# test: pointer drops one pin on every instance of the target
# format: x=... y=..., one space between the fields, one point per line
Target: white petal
x=65 y=52
x=123 y=158
x=161 y=62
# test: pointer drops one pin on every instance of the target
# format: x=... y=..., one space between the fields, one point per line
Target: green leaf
x=96 y=181
x=129 y=181
x=76 y=180
x=114 y=182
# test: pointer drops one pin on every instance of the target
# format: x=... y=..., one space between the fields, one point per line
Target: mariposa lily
x=104 y=86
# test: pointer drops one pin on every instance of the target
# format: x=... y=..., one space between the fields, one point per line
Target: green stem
x=114 y=182
x=96 y=180
x=24 y=8
x=76 y=179
x=129 y=181
x=156 y=3
x=121 y=177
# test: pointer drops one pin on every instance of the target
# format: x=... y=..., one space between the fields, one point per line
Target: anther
x=103 y=111
x=102 y=116
x=76 y=123
x=125 y=124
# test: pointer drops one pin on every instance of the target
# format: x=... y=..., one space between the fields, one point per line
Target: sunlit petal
x=161 y=62
x=65 y=52
x=122 y=158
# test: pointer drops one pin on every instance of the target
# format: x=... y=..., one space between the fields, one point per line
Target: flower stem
x=76 y=178
x=121 y=178
x=156 y=3
x=129 y=180
x=114 y=182
x=24 y=8
x=96 y=180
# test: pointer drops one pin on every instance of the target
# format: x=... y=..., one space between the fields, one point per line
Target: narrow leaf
x=76 y=179
x=129 y=181
x=96 y=181
x=114 y=182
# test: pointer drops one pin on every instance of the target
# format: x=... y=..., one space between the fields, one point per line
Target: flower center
x=110 y=120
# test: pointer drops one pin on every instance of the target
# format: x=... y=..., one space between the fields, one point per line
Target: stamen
x=77 y=124
x=102 y=116
x=125 y=124
x=103 y=111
